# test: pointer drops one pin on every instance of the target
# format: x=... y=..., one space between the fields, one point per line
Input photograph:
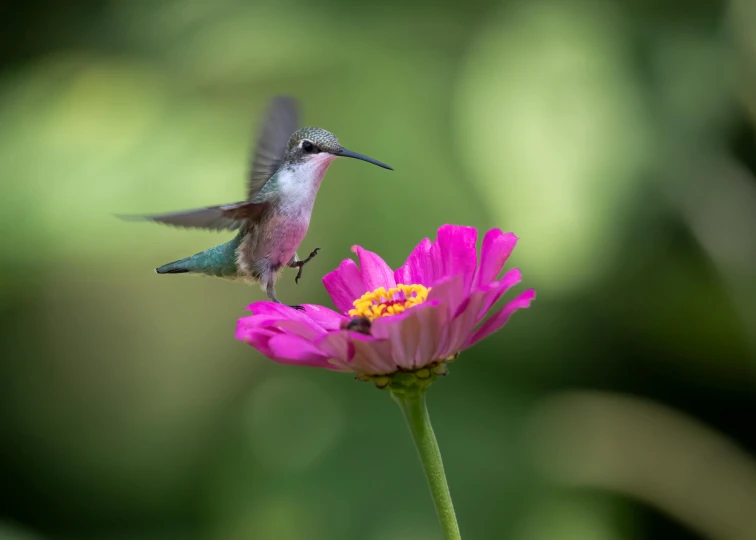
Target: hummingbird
x=288 y=166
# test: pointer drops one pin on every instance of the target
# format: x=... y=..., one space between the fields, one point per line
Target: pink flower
x=425 y=312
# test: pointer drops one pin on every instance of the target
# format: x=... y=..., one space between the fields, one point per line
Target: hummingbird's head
x=316 y=145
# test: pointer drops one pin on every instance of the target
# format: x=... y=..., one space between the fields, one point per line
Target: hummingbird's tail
x=218 y=261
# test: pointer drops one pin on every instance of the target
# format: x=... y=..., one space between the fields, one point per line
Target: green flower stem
x=416 y=414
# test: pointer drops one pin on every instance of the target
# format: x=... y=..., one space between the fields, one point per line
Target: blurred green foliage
x=614 y=138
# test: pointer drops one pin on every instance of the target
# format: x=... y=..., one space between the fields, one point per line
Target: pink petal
x=306 y=330
x=345 y=285
x=357 y=353
x=261 y=321
x=497 y=246
x=324 y=317
x=500 y=318
x=451 y=291
x=415 y=335
x=288 y=349
x=256 y=337
x=254 y=322
x=463 y=323
x=281 y=311
x=375 y=272
x=418 y=268
x=273 y=316
x=336 y=346
x=495 y=290
x=473 y=310
x=402 y=332
x=433 y=337
x=371 y=356
x=454 y=252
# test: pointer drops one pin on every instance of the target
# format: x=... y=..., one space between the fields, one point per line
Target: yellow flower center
x=382 y=302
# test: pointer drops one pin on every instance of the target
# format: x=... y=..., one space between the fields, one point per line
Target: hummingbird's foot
x=300 y=264
x=298 y=308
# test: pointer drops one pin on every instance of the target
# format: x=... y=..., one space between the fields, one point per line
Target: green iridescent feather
x=217 y=261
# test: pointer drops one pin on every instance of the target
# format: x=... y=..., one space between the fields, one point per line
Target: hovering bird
x=287 y=168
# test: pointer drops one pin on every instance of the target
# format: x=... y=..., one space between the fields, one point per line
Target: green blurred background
x=615 y=138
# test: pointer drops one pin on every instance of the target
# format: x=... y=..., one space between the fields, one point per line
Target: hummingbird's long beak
x=348 y=153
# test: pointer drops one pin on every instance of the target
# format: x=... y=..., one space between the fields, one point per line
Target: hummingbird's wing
x=281 y=121
x=226 y=216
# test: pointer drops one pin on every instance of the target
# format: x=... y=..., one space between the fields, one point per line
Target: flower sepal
x=406 y=383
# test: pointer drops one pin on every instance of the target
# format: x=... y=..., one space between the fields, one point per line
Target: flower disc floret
x=383 y=302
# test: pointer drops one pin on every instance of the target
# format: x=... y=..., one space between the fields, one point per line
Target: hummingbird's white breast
x=271 y=245
x=299 y=183
x=298 y=186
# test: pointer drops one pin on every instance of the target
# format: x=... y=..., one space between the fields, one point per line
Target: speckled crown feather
x=325 y=140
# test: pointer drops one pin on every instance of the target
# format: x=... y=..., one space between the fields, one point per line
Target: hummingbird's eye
x=308 y=147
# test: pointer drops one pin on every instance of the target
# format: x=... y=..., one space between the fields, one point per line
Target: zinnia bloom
x=413 y=319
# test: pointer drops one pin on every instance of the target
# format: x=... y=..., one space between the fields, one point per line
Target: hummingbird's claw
x=300 y=264
x=298 y=308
